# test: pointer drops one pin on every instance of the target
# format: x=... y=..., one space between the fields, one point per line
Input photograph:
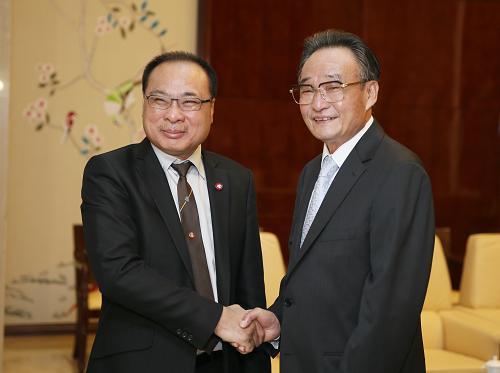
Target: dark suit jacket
x=351 y=299
x=151 y=319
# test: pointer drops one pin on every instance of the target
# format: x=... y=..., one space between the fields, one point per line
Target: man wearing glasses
x=362 y=236
x=172 y=237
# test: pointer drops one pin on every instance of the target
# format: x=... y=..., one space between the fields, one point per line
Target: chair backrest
x=480 y=286
x=432 y=329
x=439 y=290
x=85 y=281
x=274 y=266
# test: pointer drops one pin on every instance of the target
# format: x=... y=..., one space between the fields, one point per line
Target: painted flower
x=45 y=68
x=103 y=26
x=43 y=78
x=41 y=104
x=35 y=111
x=91 y=139
x=90 y=130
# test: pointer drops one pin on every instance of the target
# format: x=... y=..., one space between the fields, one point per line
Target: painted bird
x=69 y=121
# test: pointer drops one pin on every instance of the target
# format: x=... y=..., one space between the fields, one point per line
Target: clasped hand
x=247 y=329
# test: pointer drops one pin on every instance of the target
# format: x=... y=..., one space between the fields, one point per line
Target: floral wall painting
x=75 y=91
x=119 y=18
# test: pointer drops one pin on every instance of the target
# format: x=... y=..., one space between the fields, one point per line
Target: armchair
x=448 y=333
x=88 y=298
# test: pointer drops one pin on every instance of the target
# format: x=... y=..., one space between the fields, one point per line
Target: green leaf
x=131 y=27
x=122 y=31
x=125 y=87
x=115 y=9
x=41 y=85
x=39 y=127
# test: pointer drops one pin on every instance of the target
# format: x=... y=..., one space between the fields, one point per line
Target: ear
x=372 y=93
x=212 y=110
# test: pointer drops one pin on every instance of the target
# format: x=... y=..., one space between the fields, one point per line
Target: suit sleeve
x=277 y=306
x=250 y=291
x=401 y=246
x=112 y=240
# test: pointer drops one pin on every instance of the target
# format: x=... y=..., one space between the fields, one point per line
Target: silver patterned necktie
x=328 y=169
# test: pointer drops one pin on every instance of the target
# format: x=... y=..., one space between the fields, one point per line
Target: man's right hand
x=229 y=330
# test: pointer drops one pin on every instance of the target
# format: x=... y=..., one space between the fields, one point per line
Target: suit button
x=288 y=302
x=184 y=335
x=178 y=331
x=190 y=338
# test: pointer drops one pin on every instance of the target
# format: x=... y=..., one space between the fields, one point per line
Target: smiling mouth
x=172 y=133
x=323 y=119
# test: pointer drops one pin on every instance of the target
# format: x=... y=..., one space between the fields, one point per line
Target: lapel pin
x=219 y=186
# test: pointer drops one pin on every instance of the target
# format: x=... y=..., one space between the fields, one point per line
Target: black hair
x=181 y=56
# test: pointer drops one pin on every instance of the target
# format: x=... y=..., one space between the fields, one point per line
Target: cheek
x=305 y=114
x=152 y=116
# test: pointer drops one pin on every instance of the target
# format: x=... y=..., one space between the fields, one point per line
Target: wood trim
x=45 y=329
x=204 y=32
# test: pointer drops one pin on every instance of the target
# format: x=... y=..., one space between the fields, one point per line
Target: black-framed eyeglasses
x=188 y=103
x=331 y=91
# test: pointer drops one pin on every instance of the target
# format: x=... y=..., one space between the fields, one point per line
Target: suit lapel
x=219 y=208
x=310 y=179
x=347 y=176
x=151 y=172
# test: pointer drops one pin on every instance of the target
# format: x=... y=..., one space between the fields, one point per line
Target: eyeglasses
x=332 y=91
x=185 y=103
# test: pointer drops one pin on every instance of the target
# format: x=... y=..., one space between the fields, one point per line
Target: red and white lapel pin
x=219 y=186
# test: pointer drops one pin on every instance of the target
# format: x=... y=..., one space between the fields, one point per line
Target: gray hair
x=368 y=63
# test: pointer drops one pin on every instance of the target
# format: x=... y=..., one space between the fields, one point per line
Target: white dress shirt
x=343 y=151
x=340 y=155
x=197 y=180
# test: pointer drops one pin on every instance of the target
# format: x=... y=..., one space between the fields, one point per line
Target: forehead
x=179 y=75
x=332 y=63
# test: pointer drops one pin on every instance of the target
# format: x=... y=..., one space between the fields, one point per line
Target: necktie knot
x=182 y=168
x=328 y=167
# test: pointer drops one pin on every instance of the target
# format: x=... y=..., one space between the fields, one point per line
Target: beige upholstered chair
x=444 y=235
x=274 y=266
x=480 y=286
x=447 y=333
x=274 y=270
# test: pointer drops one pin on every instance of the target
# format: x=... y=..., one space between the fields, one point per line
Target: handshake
x=247 y=329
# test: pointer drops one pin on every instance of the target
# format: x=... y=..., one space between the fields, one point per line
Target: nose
x=318 y=103
x=174 y=113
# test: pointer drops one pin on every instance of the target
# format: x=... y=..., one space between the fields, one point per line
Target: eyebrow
x=163 y=93
x=332 y=76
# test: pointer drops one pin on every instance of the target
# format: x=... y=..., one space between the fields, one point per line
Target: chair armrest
x=470 y=335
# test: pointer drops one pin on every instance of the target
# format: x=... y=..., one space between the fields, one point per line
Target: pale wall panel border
x=4 y=116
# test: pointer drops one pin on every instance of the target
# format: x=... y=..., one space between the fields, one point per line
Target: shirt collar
x=343 y=151
x=166 y=160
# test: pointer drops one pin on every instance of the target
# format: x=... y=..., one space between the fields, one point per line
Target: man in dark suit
x=362 y=236
x=172 y=237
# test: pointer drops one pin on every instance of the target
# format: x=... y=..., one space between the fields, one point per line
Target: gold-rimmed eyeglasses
x=188 y=103
x=331 y=91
